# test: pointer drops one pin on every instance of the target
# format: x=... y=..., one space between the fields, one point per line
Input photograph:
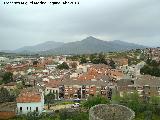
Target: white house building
x=30 y=101
x=52 y=87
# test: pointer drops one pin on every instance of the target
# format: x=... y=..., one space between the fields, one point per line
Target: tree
x=98 y=58
x=142 y=108
x=155 y=71
x=155 y=100
x=150 y=70
x=35 y=62
x=95 y=100
x=49 y=98
x=83 y=60
x=132 y=101
x=7 y=77
x=92 y=57
x=101 y=58
x=154 y=63
x=155 y=104
x=148 y=61
x=145 y=70
x=63 y=66
x=112 y=64
x=96 y=61
x=5 y=96
x=148 y=115
x=74 y=57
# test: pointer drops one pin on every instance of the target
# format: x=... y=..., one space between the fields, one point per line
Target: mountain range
x=39 y=47
x=85 y=46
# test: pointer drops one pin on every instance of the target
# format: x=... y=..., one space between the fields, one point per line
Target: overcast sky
x=136 y=21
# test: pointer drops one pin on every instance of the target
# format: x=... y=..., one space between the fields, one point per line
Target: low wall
x=7 y=115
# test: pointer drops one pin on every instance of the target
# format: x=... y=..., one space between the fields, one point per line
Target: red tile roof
x=28 y=97
x=53 y=83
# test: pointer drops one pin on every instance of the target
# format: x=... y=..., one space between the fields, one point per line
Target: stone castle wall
x=111 y=112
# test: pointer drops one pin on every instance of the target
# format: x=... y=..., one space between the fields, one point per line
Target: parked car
x=77 y=100
x=75 y=105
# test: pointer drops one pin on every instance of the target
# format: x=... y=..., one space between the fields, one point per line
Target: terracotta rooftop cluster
x=52 y=83
x=95 y=71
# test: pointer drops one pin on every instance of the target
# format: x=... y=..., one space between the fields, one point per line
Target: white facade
x=84 y=68
x=74 y=75
x=18 y=59
x=25 y=107
x=52 y=90
x=51 y=67
x=60 y=62
x=30 y=70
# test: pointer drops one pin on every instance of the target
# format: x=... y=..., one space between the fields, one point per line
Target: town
x=33 y=85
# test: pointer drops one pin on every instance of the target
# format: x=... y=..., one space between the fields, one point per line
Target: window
x=36 y=109
x=21 y=109
x=30 y=108
x=27 y=108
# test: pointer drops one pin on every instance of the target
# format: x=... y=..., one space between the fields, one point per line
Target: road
x=58 y=107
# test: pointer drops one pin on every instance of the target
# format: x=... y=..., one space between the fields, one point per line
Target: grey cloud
x=133 y=21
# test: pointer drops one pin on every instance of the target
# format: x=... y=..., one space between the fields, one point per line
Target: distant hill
x=93 y=45
x=40 y=47
x=86 y=46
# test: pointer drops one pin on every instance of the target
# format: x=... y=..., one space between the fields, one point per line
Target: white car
x=75 y=105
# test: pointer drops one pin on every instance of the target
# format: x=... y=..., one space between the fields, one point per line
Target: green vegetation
x=98 y=58
x=7 y=77
x=57 y=115
x=72 y=115
x=151 y=68
x=5 y=96
x=106 y=58
x=145 y=109
x=130 y=55
x=49 y=98
x=35 y=62
x=74 y=58
x=112 y=64
x=93 y=58
x=63 y=102
x=83 y=60
x=118 y=54
x=101 y=58
x=63 y=66
x=133 y=61
x=95 y=100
